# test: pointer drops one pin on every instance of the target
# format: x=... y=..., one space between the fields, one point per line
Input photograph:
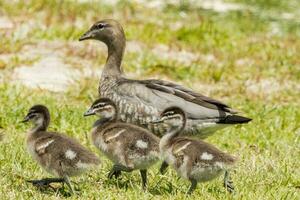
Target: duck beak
x=158 y=121
x=89 y=112
x=87 y=35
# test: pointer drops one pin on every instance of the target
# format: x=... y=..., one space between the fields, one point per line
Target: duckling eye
x=97 y=106
x=32 y=115
x=169 y=114
x=100 y=26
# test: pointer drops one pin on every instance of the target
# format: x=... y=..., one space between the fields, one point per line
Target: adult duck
x=140 y=101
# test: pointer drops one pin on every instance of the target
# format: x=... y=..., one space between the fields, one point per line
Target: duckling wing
x=210 y=153
x=129 y=134
x=198 y=153
x=60 y=147
x=42 y=144
x=129 y=144
x=202 y=153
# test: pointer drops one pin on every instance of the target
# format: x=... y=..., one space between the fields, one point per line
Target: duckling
x=128 y=146
x=58 y=154
x=194 y=160
x=141 y=101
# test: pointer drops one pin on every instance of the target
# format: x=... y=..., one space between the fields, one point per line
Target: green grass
x=268 y=148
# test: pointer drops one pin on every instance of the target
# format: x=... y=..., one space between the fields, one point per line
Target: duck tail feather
x=234 y=119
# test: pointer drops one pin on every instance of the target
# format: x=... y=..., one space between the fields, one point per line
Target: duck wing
x=160 y=94
x=187 y=94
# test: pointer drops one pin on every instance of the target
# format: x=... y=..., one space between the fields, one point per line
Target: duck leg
x=163 y=167
x=117 y=169
x=192 y=187
x=144 y=178
x=42 y=183
x=228 y=183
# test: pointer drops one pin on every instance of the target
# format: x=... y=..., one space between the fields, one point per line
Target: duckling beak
x=89 y=112
x=158 y=121
x=26 y=119
x=87 y=35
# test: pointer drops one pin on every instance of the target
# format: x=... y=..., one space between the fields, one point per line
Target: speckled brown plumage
x=58 y=154
x=193 y=159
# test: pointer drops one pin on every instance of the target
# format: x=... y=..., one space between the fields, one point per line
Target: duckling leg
x=144 y=178
x=116 y=170
x=68 y=182
x=163 y=167
x=228 y=183
x=45 y=182
x=193 y=186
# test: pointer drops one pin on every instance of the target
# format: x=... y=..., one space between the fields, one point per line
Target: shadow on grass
x=162 y=188
x=125 y=182
x=55 y=189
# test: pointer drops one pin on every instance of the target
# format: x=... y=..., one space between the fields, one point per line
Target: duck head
x=111 y=33
x=107 y=31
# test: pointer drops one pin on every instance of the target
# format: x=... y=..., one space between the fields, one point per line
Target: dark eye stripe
x=169 y=113
x=96 y=106
x=99 y=105
x=177 y=116
x=172 y=116
x=31 y=115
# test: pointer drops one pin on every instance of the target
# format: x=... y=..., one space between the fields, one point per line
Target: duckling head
x=104 y=108
x=38 y=115
x=172 y=118
x=108 y=31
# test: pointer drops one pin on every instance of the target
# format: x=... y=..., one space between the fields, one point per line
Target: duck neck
x=114 y=59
